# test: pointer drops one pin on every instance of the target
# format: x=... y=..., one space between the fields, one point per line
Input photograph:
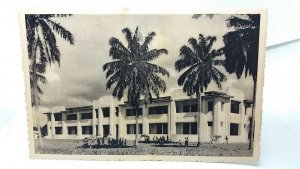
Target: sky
x=80 y=78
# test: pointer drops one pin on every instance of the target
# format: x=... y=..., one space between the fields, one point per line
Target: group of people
x=118 y=142
x=161 y=140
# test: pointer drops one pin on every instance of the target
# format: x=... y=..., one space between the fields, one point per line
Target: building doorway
x=117 y=130
x=105 y=130
x=209 y=130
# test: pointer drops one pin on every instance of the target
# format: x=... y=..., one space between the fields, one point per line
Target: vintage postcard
x=176 y=86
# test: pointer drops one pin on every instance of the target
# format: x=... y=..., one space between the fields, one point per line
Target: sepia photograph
x=185 y=87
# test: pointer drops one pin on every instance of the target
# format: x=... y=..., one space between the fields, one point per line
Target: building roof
x=154 y=100
x=76 y=109
x=218 y=94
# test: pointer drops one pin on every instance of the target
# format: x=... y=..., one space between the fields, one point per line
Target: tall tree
x=241 y=51
x=42 y=49
x=200 y=61
x=131 y=70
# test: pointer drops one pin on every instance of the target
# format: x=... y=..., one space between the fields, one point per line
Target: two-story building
x=223 y=114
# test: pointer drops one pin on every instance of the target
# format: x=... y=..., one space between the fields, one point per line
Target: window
x=105 y=130
x=186 y=106
x=130 y=112
x=158 y=128
x=158 y=110
x=210 y=106
x=97 y=113
x=131 y=128
x=193 y=128
x=58 y=116
x=235 y=106
x=209 y=123
x=58 y=130
x=234 y=129
x=190 y=108
x=86 y=116
x=106 y=111
x=72 y=130
x=87 y=129
x=71 y=116
x=194 y=108
x=186 y=128
x=117 y=111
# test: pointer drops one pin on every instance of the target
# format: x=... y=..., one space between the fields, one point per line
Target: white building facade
x=223 y=115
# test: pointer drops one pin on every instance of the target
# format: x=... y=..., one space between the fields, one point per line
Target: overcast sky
x=80 y=78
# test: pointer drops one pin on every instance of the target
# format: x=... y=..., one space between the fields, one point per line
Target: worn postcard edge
x=258 y=99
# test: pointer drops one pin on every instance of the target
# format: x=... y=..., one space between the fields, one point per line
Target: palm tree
x=42 y=49
x=241 y=51
x=200 y=62
x=131 y=71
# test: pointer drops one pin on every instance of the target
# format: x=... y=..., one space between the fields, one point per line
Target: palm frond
x=152 y=54
x=50 y=42
x=131 y=71
x=156 y=69
x=148 y=39
x=241 y=45
x=128 y=35
x=63 y=32
x=200 y=65
x=188 y=58
x=238 y=22
x=118 y=50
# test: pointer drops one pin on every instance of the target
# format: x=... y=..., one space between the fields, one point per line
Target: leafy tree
x=42 y=49
x=41 y=40
x=200 y=61
x=241 y=51
x=241 y=45
x=132 y=72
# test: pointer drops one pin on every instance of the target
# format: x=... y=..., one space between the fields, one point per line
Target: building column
x=64 y=125
x=122 y=125
x=242 y=122
x=172 y=121
x=112 y=116
x=145 y=120
x=52 y=125
x=169 y=119
x=226 y=123
x=94 y=122
x=79 y=130
x=49 y=135
x=217 y=119
x=203 y=121
x=100 y=122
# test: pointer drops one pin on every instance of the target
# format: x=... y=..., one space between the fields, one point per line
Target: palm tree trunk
x=35 y=91
x=253 y=117
x=198 y=117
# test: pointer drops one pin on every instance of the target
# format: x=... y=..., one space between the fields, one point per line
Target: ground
x=52 y=146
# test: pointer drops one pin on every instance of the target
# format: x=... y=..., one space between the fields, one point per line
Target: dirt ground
x=206 y=149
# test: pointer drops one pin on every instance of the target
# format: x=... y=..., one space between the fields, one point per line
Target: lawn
x=52 y=146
